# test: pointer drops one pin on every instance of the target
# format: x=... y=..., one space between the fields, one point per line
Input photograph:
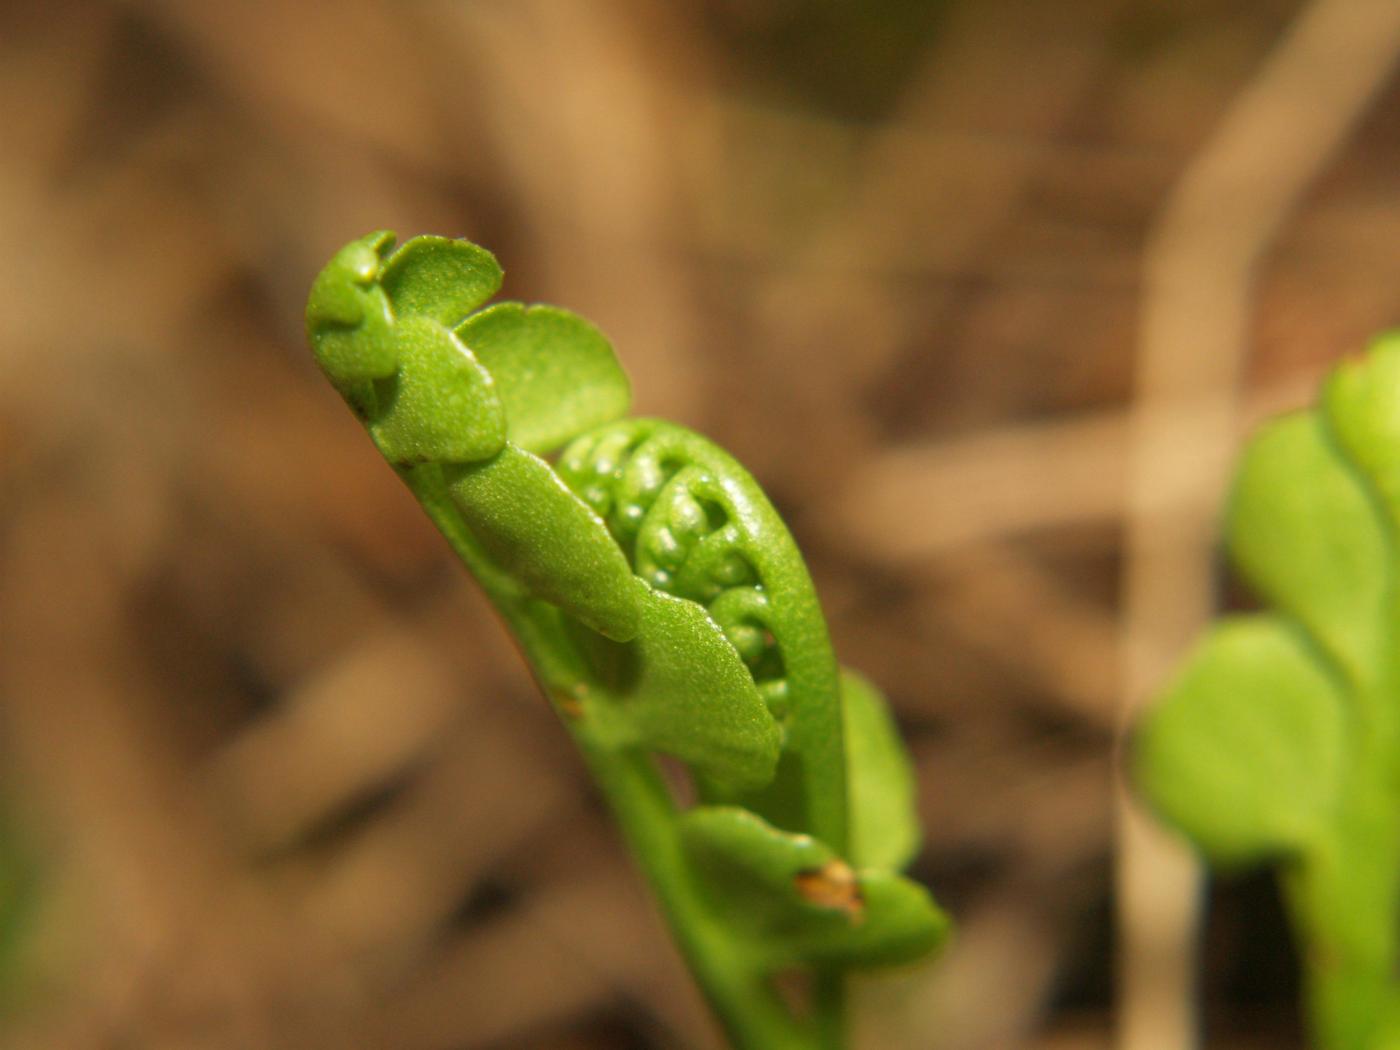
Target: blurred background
x=271 y=776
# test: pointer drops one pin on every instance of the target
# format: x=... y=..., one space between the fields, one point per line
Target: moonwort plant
x=1279 y=740
x=664 y=610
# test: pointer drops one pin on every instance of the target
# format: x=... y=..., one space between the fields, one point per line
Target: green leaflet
x=796 y=899
x=693 y=697
x=440 y=278
x=348 y=319
x=679 y=688
x=556 y=374
x=1305 y=534
x=663 y=607
x=442 y=405
x=1245 y=752
x=1278 y=739
x=544 y=535
x=884 y=824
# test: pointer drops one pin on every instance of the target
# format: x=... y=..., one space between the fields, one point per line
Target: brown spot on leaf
x=834 y=886
x=570 y=701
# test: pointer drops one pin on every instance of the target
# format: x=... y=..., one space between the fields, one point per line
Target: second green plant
x=1280 y=739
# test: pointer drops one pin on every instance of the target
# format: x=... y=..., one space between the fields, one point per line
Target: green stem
x=752 y=1015
x=1344 y=901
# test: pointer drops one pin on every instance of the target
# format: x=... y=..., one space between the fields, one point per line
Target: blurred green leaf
x=1245 y=751
x=1281 y=737
x=884 y=822
x=1305 y=534
x=555 y=373
x=1362 y=400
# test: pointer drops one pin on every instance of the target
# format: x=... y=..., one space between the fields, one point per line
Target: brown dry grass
x=288 y=782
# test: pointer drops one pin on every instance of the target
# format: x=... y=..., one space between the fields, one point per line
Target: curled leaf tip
x=347 y=315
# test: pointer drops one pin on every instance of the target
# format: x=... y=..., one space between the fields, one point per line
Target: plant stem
x=1344 y=901
x=752 y=1014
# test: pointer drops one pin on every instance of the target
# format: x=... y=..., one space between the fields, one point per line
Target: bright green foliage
x=663 y=607
x=1247 y=750
x=1278 y=740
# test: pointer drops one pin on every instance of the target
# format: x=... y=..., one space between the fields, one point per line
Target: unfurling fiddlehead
x=693 y=523
x=663 y=607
